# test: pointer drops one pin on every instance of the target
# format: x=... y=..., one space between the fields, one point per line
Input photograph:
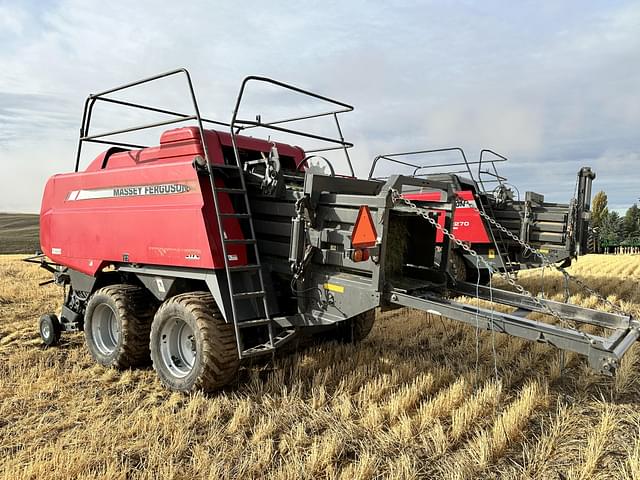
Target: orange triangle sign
x=364 y=231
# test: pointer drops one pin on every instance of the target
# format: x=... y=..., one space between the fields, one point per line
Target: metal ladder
x=253 y=270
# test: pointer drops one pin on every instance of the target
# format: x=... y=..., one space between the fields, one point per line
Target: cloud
x=552 y=86
x=22 y=115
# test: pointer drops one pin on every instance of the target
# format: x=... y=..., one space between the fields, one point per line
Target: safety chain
x=548 y=263
x=397 y=197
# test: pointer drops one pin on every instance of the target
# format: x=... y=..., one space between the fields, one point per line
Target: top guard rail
x=420 y=167
x=236 y=125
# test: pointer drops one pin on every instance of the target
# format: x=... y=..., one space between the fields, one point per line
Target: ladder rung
x=265 y=348
x=257 y=350
x=254 y=323
x=236 y=215
x=248 y=295
x=224 y=166
x=233 y=191
x=283 y=335
x=244 y=268
x=240 y=241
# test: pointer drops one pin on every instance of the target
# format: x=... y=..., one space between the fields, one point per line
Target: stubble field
x=421 y=397
x=19 y=232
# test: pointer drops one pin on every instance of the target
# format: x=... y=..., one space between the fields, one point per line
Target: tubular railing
x=178 y=117
x=418 y=168
x=237 y=125
x=495 y=176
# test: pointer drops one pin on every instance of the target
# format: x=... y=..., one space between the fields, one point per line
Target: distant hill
x=19 y=233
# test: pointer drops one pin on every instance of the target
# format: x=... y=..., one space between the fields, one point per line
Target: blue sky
x=551 y=85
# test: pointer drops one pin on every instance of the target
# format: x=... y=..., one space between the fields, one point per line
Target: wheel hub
x=105 y=329
x=46 y=330
x=178 y=347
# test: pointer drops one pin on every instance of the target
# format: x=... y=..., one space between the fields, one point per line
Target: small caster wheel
x=50 y=329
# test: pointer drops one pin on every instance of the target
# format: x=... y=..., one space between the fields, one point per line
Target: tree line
x=612 y=229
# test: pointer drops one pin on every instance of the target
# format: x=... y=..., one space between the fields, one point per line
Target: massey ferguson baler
x=213 y=247
x=490 y=213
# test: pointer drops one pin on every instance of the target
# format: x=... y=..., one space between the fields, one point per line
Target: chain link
x=548 y=263
x=396 y=197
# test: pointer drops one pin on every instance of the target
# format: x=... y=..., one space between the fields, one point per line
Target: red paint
x=467 y=222
x=177 y=229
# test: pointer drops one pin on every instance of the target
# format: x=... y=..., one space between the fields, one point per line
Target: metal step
x=240 y=241
x=224 y=166
x=235 y=215
x=249 y=295
x=233 y=191
x=254 y=323
x=258 y=350
x=266 y=348
x=283 y=337
x=244 y=268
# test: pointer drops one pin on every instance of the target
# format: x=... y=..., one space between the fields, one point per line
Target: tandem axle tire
x=192 y=347
x=116 y=326
x=50 y=329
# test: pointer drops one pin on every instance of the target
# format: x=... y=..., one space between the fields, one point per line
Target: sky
x=551 y=85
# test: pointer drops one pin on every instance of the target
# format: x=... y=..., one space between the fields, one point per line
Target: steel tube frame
x=417 y=167
x=603 y=353
x=297 y=119
x=566 y=310
x=499 y=178
x=116 y=144
x=139 y=127
x=158 y=110
x=181 y=117
x=238 y=125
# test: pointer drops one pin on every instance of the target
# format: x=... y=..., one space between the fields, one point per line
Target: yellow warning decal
x=334 y=288
x=492 y=253
x=544 y=250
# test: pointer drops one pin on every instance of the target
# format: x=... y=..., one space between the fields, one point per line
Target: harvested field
x=421 y=397
x=19 y=232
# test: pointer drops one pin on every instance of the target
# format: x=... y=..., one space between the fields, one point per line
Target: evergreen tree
x=611 y=229
x=631 y=223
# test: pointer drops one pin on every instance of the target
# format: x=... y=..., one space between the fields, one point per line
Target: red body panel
x=146 y=206
x=467 y=223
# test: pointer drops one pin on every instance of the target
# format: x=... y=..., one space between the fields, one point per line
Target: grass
x=409 y=402
x=19 y=233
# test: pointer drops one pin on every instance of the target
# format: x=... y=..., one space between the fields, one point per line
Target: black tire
x=462 y=272
x=50 y=329
x=203 y=355
x=117 y=324
x=356 y=328
x=459 y=269
x=485 y=276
